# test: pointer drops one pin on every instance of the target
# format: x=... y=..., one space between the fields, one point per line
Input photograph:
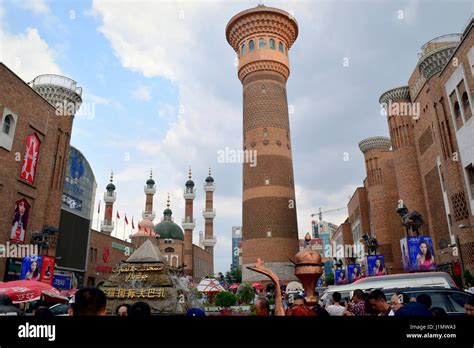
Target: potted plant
x=225 y=299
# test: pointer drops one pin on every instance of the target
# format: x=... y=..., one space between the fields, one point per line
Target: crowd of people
x=91 y=301
x=374 y=303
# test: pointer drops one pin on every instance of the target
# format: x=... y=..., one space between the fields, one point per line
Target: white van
x=402 y=280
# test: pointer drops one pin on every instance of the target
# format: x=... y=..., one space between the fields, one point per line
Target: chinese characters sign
x=121 y=293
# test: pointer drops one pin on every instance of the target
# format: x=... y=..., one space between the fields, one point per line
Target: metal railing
x=56 y=80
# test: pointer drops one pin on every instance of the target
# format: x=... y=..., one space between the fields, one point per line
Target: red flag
x=98 y=210
x=126 y=220
x=118 y=215
x=133 y=226
x=139 y=227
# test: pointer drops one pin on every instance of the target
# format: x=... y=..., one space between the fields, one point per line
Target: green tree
x=246 y=294
x=330 y=279
x=237 y=275
x=228 y=278
x=225 y=299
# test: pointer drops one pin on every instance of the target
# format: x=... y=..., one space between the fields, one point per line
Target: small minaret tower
x=188 y=224
x=150 y=190
x=209 y=214
x=107 y=224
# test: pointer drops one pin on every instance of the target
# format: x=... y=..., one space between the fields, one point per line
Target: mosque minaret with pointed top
x=110 y=196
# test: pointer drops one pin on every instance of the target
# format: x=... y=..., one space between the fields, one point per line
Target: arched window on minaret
x=251 y=45
x=280 y=47
x=272 y=44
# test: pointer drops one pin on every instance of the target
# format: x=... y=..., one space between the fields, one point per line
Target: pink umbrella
x=234 y=286
x=27 y=290
x=257 y=285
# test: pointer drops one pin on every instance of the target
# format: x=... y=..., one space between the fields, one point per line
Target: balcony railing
x=56 y=80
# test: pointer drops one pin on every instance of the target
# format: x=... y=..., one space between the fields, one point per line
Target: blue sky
x=162 y=81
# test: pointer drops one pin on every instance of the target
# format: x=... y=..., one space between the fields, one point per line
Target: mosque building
x=174 y=241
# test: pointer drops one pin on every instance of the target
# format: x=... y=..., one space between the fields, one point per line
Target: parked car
x=410 y=279
x=59 y=309
x=403 y=280
x=451 y=300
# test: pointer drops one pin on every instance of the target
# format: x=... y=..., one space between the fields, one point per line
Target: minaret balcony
x=436 y=53
x=149 y=190
x=148 y=215
x=209 y=213
x=209 y=187
x=188 y=223
x=110 y=196
x=209 y=242
x=107 y=227
x=189 y=193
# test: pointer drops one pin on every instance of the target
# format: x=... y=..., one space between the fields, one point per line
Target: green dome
x=209 y=179
x=189 y=183
x=150 y=182
x=110 y=187
x=169 y=230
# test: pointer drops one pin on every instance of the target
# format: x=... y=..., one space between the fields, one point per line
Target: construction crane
x=320 y=214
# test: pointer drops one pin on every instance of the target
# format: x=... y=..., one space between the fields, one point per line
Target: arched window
x=272 y=44
x=265 y=133
x=457 y=110
x=243 y=49
x=465 y=101
x=280 y=47
x=261 y=43
x=169 y=250
x=251 y=45
x=7 y=124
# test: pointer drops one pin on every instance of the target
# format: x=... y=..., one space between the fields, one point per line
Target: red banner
x=47 y=270
x=30 y=158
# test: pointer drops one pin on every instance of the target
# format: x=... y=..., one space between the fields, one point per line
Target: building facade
x=236 y=247
x=34 y=145
x=77 y=210
x=262 y=37
x=427 y=163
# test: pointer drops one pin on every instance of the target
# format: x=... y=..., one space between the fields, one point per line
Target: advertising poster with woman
x=20 y=221
x=47 y=270
x=31 y=268
x=340 y=277
x=376 y=265
x=421 y=253
x=353 y=272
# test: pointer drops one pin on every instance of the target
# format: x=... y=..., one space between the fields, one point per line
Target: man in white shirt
x=335 y=309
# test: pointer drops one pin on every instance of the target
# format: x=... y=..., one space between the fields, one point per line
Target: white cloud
x=167 y=112
x=142 y=93
x=35 y=6
x=27 y=54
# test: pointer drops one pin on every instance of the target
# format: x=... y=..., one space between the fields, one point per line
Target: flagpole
x=116 y=226
x=124 y=226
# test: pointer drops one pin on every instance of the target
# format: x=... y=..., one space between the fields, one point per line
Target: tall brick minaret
x=188 y=224
x=150 y=190
x=209 y=214
x=405 y=158
x=262 y=37
x=110 y=196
